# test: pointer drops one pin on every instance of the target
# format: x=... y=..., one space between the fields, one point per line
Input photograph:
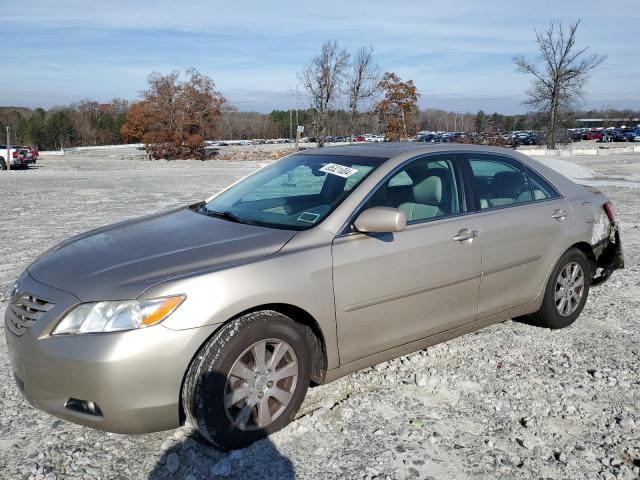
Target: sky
x=459 y=54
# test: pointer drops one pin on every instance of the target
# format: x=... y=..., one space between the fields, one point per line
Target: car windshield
x=295 y=193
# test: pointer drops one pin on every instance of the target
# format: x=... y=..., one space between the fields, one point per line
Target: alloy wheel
x=569 y=289
x=261 y=384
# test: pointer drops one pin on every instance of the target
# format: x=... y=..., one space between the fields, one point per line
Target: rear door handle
x=466 y=234
x=559 y=214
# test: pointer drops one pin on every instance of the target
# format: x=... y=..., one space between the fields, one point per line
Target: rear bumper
x=133 y=377
x=609 y=256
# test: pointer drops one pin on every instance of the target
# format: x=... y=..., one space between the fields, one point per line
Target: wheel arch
x=315 y=336
x=314 y=333
x=587 y=249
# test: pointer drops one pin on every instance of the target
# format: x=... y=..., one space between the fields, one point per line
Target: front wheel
x=248 y=380
x=566 y=291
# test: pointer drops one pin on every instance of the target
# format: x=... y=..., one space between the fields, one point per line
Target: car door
x=525 y=223
x=391 y=289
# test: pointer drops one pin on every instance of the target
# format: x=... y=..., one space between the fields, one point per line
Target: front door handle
x=466 y=234
x=559 y=214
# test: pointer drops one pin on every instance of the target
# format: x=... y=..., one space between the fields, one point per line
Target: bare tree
x=559 y=74
x=362 y=83
x=322 y=78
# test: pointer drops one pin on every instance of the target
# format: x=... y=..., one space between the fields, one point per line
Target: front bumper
x=133 y=377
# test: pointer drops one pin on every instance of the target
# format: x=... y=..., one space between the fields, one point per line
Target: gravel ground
x=510 y=401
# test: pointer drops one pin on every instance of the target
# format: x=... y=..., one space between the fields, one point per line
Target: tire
x=209 y=380
x=556 y=313
x=3 y=166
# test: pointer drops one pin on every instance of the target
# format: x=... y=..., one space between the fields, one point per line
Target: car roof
x=389 y=150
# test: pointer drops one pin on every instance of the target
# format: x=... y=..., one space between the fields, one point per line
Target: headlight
x=99 y=317
x=14 y=289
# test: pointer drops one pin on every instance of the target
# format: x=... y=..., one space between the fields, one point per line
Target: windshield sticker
x=308 y=217
x=339 y=170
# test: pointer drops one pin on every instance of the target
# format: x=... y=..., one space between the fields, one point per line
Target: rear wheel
x=566 y=291
x=249 y=380
x=3 y=166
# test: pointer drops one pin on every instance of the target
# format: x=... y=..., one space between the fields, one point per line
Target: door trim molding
x=408 y=293
x=507 y=266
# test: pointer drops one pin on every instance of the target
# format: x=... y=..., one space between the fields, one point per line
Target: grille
x=27 y=310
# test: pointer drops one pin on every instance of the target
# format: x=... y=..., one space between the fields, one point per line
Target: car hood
x=121 y=261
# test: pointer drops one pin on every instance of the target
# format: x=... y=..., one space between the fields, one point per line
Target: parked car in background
x=564 y=138
x=617 y=135
x=426 y=138
x=528 y=138
x=594 y=134
x=607 y=135
x=626 y=135
x=26 y=154
x=438 y=137
x=17 y=157
x=378 y=251
x=575 y=135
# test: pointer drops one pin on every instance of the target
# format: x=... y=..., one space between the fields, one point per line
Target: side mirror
x=381 y=220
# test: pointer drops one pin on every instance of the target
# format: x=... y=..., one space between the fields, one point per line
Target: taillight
x=609 y=210
x=15 y=154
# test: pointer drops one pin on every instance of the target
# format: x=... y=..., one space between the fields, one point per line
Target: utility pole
x=8 y=157
x=297 y=122
x=297 y=131
x=290 y=113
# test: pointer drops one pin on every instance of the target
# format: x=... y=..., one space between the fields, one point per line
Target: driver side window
x=424 y=189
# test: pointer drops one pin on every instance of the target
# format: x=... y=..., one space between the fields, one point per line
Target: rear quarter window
x=542 y=190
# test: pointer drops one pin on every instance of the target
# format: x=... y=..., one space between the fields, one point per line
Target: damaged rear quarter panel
x=601 y=228
x=605 y=240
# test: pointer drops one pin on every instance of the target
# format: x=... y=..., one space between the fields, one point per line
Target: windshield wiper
x=224 y=214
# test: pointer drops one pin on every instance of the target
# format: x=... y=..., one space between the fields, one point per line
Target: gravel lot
x=510 y=401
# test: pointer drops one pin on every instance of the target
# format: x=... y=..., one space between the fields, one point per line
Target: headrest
x=507 y=184
x=428 y=191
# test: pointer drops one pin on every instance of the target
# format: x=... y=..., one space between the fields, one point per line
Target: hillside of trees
x=84 y=123
x=89 y=123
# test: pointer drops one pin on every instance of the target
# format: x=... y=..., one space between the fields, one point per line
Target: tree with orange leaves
x=134 y=129
x=176 y=117
x=396 y=110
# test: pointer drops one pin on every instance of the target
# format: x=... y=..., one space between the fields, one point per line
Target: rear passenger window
x=499 y=182
x=541 y=188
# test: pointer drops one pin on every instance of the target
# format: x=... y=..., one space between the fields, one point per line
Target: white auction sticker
x=340 y=170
